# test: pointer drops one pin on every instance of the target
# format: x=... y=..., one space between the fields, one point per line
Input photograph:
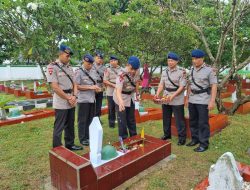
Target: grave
x=8 y=90
x=217 y=122
x=92 y=171
x=143 y=115
x=243 y=109
x=147 y=96
x=19 y=92
x=226 y=174
x=28 y=116
x=30 y=104
x=2 y=87
x=30 y=94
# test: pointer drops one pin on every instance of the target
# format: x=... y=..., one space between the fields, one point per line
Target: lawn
x=24 y=160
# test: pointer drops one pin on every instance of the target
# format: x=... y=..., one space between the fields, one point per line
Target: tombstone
x=225 y=174
x=137 y=105
x=95 y=140
x=22 y=86
x=34 y=86
x=152 y=91
x=234 y=98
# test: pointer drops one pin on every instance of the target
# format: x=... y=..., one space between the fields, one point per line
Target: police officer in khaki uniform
x=99 y=69
x=109 y=80
x=87 y=86
x=124 y=94
x=201 y=94
x=60 y=75
x=173 y=82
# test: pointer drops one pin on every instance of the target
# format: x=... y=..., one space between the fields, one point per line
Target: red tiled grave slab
x=88 y=177
x=70 y=171
x=115 y=172
x=225 y=94
x=69 y=156
x=156 y=140
x=9 y=90
x=244 y=171
x=104 y=111
x=243 y=109
x=153 y=114
x=32 y=115
x=29 y=94
x=19 y=92
x=217 y=122
x=69 y=178
x=2 y=87
x=146 y=96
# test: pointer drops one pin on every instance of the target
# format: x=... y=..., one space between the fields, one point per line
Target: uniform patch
x=121 y=78
x=50 y=70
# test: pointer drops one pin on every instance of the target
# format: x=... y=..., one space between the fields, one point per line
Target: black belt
x=171 y=89
x=67 y=91
x=99 y=81
x=207 y=90
x=128 y=93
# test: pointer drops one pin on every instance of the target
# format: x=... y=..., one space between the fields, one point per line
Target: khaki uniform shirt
x=123 y=83
x=55 y=74
x=85 y=96
x=110 y=75
x=204 y=76
x=178 y=77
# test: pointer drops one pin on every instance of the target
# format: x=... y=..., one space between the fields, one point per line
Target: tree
x=222 y=27
x=39 y=27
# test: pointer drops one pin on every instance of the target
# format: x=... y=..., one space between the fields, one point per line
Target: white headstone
x=224 y=175
x=137 y=105
x=34 y=86
x=95 y=140
x=152 y=91
x=22 y=86
x=234 y=98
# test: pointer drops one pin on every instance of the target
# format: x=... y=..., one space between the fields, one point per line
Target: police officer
x=173 y=82
x=124 y=94
x=109 y=80
x=87 y=86
x=99 y=69
x=60 y=75
x=201 y=98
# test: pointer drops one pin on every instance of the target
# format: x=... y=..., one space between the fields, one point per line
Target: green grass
x=10 y=97
x=24 y=159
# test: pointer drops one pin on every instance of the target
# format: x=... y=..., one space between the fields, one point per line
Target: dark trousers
x=126 y=120
x=199 y=125
x=64 y=120
x=111 y=107
x=178 y=110
x=98 y=106
x=86 y=112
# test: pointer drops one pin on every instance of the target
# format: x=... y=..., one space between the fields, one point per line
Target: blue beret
x=88 y=58
x=99 y=54
x=173 y=56
x=134 y=62
x=197 y=53
x=113 y=57
x=65 y=49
